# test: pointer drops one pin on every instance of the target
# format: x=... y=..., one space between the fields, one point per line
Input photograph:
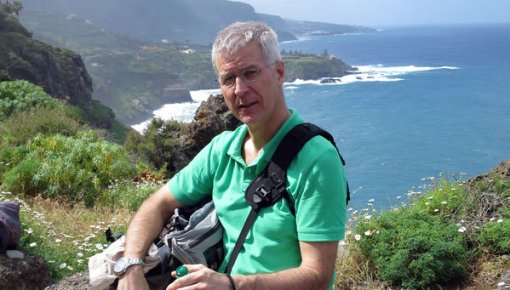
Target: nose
x=241 y=86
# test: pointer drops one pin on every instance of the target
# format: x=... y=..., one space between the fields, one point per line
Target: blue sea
x=427 y=101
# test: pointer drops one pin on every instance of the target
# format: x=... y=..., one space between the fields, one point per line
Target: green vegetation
x=158 y=142
x=18 y=96
x=454 y=234
x=70 y=182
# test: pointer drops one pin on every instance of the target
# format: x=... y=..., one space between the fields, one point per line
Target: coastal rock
x=23 y=272
x=503 y=170
x=211 y=118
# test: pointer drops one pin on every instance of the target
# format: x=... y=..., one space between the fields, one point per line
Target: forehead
x=243 y=57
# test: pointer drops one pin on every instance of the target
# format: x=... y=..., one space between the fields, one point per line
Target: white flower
x=368 y=233
x=500 y=221
x=444 y=202
x=436 y=210
x=99 y=246
x=462 y=229
x=79 y=254
x=33 y=245
x=29 y=231
x=62 y=266
x=357 y=237
x=367 y=217
x=58 y=241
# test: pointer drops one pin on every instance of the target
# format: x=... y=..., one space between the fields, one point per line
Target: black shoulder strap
x=270 y=185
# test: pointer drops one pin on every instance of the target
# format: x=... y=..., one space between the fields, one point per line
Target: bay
x=426 y=101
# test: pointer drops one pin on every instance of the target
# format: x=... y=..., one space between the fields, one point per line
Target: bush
x=495 y=237
x=413 y=249
x=23 y=126
x=158 y=143
x=72 y=168
x=17 y=96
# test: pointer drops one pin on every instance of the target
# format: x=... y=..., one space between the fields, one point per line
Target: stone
x=14 y=254
x=26 y=273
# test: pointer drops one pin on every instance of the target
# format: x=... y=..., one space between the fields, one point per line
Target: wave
x=370 y=73
x=183 y=112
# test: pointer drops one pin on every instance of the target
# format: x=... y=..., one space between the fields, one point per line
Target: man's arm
x=315 y=272
x=143 y=229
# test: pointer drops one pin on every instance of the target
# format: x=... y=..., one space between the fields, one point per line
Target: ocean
x=427 y=101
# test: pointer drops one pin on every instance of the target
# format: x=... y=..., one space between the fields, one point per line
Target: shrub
x=17 y=96
x=495 y=237
x=23 y=126
x=157 y=143
x=72 y=168
x=413 y=249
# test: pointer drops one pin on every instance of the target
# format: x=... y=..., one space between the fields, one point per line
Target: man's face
x=252 y=88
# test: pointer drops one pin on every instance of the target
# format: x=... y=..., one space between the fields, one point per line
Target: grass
x=67 y=235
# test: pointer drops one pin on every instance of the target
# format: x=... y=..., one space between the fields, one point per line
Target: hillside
x=135 y=77
x=183 y=21
x=60 y=72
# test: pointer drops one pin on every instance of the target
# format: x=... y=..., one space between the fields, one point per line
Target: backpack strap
x=270 y=185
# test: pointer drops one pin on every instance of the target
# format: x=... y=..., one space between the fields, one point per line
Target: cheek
x=229 y=100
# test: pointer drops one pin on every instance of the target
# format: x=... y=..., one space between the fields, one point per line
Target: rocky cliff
x=60 y=72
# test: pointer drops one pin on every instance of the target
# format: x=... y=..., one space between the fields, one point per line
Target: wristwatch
x=122 y=264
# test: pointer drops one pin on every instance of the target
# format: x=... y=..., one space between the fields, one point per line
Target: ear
x=280 y=71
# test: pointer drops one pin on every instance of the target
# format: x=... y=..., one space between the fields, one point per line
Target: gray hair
x=239 y=34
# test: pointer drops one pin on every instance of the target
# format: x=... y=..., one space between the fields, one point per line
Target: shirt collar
x=267 y=152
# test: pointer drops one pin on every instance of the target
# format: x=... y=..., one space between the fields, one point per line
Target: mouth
x=245 y=106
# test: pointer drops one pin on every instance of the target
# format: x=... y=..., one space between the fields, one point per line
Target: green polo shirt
x=315 y=180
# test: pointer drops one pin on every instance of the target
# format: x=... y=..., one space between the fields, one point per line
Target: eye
x=227 y=80
x=250 y=74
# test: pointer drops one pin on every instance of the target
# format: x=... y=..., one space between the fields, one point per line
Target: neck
x=260 y=134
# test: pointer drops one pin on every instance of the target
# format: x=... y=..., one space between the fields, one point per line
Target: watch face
x=119 y=266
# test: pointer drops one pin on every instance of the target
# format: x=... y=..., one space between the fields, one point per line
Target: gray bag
x=193 y=235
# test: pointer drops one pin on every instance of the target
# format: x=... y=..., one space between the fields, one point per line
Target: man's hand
x=200 y=277
x=133 y=279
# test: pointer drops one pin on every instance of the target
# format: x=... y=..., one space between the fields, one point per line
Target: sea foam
x=370 y=73
x=183 y=112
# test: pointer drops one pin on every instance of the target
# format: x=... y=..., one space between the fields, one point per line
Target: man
x=281 y=251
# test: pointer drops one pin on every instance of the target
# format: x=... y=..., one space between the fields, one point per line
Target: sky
x=388 y=12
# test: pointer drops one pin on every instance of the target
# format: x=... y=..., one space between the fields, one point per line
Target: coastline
x=185 y=112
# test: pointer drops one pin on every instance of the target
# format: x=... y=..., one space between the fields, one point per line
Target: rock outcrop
x=60 y=72
x=23 y=271
x=211 y=118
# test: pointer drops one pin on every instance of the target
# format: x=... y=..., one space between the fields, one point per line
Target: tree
x=12 y=8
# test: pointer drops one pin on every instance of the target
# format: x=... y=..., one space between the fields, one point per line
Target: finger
x=194 y=267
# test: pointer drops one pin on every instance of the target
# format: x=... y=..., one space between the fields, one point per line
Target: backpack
x=194 y=234
x=9 y=225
